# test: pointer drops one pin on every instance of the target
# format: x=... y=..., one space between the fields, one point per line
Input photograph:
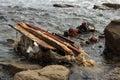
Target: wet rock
x=62 y=5
x=93 y=39
x=66 y=34
x=100 y=46
x=13 y=68
x=112 y=5
x=72 y=32
x=113 y=75
x=10 y=41
x=101 y=7
x=107 y=6
x=53 y=72
x=112 y=37
x=87 y=42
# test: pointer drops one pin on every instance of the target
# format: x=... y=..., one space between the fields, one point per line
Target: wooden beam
x=32 y=37
x=47 y=39
x=63 y=41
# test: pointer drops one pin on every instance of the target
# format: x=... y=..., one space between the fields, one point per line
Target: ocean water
x=37 y=3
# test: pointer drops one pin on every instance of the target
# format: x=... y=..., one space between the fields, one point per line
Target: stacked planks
x=48 y=40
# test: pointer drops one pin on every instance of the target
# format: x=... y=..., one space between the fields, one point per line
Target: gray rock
x=101 y=7
x=62 y=5
x=107 y=6
x=112 y=37
x=53 y=72
x=112 y=5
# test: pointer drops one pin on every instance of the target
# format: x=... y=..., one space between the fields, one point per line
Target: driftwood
x=64 y=46
x=47 y=39
x=62 y=40
x=34 y=38
x=53 y=35
x=50 y=41
x=49 y=34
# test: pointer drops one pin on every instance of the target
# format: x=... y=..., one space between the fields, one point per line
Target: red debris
x=93 y=39
x=73 y=32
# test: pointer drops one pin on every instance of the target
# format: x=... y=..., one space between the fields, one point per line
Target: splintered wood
x=48 y=40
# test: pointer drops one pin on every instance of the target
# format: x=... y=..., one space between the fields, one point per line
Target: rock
x=113 y=75
x=62 y=5
x=53 y=72
x=112 y=37
x=10 y=41
x=66 y=34
x=101 y=7
x=72 y=32
x=107 y=6
x=13 y=68
x=93 y=39
x=112 y=5
x=87 y=42
x=100 y=46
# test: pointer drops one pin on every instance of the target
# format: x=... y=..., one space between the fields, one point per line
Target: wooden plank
x=47 y=39
x=73 y=48
x=34 y=38
x=49 y=34
x=63 y=38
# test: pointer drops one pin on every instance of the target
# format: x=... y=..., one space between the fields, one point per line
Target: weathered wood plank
x=32 y=37
x=47 y=33
x=47 y=39
x=63 y=41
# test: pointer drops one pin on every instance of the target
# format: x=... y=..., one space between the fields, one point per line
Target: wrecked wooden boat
x=37 y=43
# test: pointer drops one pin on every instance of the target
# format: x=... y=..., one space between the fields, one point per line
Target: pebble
x=87 y=42
x=93 y=39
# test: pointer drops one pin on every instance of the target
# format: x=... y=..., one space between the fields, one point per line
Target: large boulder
x=112 y=37
x=53 y=72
